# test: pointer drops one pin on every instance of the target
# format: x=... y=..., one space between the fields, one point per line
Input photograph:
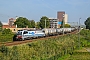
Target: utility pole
x=63 y=23
x=79 y=33
x=45 y=23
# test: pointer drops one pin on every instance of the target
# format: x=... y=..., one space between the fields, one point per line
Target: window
x=25 y=32
x=14 y=29
x=19 y=33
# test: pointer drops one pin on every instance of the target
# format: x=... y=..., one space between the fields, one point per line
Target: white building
x=66 y=19
x=53 y=22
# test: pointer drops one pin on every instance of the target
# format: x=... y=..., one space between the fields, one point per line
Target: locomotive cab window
x=43 y=31
x=25 y=32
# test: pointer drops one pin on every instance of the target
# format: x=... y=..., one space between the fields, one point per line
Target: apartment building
x=53 y=22
x=61 y=16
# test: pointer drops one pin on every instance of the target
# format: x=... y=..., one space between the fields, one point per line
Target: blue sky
x=35 y=9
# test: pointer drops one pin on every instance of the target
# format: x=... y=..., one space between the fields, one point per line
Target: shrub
x=6 y=31
x=4 y=49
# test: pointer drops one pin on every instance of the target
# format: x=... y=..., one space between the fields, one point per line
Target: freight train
x=30 y=34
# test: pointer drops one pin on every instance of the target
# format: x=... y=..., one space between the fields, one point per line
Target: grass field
x=81 y=54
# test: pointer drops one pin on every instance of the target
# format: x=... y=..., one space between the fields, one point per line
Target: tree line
x=22 y=22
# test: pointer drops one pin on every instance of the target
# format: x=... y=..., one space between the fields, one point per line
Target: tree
x=37 y=24
x=67 y=26
x=0 y=26
x=87 y=23
x=6 y=31
x=42 y=22
x=22 y=22
x=32 y=23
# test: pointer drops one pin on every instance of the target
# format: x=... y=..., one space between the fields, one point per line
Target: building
x=53 y=23
x=10 y=25
x=66 y=19
x=7 y=26
x=11 y=22
x=56 y=22
x=62 y=16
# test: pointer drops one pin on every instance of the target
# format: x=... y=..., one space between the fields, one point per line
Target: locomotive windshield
x=19 y=33
x=25 y=32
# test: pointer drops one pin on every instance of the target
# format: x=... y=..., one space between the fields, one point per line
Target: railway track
x=27 y=41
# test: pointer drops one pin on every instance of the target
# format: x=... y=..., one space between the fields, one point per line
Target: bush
x=6 y=31
x=4 y=49
x=6 y=36
x=85 y=38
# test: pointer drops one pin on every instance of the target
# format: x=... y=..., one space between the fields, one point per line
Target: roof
x=7 y=26
x=4 y=23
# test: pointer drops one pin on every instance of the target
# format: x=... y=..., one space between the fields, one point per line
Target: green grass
x=49 y=49
x=64 y=57
x=80 y=56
